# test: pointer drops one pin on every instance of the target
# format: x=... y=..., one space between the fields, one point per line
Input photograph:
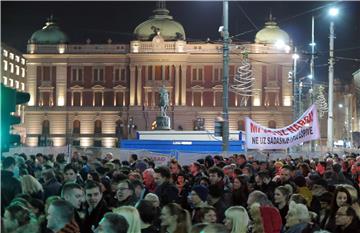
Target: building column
x=146 y=97
x=139 y=85
x=31 y=83
x=183 y=85
x=153 y=97
x=93 y=94
x=177 y=83
x=72 y=98
x=41 y=99
x=102 y=98
x=81 y=98
x=115 y=98
x=61 y=87
x=51 y=98
x=132 y=85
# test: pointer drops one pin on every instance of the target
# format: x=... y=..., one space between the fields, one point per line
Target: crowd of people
x=235 y=194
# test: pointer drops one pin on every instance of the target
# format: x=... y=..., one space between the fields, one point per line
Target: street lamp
x=333 y=12
x=295 y=57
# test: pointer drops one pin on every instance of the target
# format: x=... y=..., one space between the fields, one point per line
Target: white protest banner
x=306 y=128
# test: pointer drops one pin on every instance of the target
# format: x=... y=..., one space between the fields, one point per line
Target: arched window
x=119 y=129
x=241 y=125
x=76 y=127
x=97 y=127
x=272 y=124
x=46 y=127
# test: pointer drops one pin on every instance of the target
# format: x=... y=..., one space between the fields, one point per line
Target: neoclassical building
x=96 y=94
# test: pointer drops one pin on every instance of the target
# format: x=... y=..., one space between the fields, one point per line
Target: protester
x=346 y=220
x=32 y=187
x=166 y=191
x=236 y=219
x=281 y=199
x=208 y=214
x=174 y=219
x=60 y=217
x=126 y=194
x=96 y=206
x=112 y=223
x=148 y=216
x=17 y=219
x=132 y=217
x=10 y=186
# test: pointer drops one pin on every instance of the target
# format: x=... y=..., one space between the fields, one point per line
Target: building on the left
x=13 y=74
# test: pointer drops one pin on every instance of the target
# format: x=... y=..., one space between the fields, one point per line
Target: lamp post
x=330 y=130
x=312 y=44
x=225 y=137
x=295 y=85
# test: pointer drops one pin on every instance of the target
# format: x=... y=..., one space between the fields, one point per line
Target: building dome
x=160 y=23
x=271 y=34
x=49 y=34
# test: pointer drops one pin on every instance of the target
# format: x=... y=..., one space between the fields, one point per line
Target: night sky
x=201 y=20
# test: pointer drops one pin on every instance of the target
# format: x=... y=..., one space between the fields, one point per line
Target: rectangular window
x=11 y=56
x=16 y=84
x=5 y=80
x=17 y=68
x=77 y=74
x=5 y=65
x=23 y=61
x=197 y=74
x=17 y=58
x=98 y=74
x=23 y=86
x=11 y=67
x=218 y=73
x=119 y=74
x=11 y=82
x=23 y=72
x=5 y=53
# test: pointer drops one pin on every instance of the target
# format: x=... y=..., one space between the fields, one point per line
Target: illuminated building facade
x=96 y=94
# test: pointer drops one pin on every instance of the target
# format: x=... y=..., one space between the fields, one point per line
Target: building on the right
x=355 y=120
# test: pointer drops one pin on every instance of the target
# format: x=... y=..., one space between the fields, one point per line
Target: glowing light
x=256 y=101
x=287 y=101
x=334 y=11
x=295 y=56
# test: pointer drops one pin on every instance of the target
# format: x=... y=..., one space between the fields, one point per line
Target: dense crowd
x=236 y=194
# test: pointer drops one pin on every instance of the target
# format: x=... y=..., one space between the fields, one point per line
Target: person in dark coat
x=166 y=191
x=96 y=206
x=215 y=199
x=346 y=220
x=51 y=186
x=10 y=186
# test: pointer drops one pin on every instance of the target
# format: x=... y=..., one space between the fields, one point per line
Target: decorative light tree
x=244 y=81
x=321 y=102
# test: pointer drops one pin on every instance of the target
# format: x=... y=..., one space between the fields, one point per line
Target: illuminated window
x=11 y=56
x=5 y=80
x=17 y=58
x=23 y=61
x=23 y=86
x=11 y=82
x=23 y=72
x=16 y=84
x=17 y=68
x=5 y=53
x=5 y=65
x=11 y=67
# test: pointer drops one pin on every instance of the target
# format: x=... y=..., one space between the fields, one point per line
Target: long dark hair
x=240 y=196
x=334 y=207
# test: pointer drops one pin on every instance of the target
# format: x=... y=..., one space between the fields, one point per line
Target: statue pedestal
x=163 y=123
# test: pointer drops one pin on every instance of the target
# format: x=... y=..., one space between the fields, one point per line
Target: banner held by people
x=306 y=128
